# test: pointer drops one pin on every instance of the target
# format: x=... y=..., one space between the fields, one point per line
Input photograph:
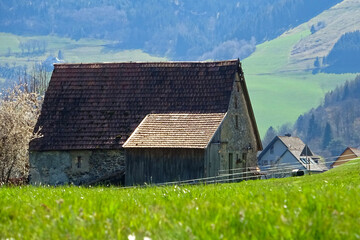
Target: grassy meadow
x=279 y=94
x=323 y=206
x=279 y=72
x=83 y=50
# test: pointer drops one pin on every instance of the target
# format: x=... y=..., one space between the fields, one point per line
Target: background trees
x=178 y=29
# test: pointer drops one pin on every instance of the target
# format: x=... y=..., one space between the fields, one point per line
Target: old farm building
x=192 y=119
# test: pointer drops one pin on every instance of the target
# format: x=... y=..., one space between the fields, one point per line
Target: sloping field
x=83 y=50
x=323 y=206
x=278 y=73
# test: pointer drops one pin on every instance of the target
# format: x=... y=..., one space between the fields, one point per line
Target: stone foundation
x=76 y=167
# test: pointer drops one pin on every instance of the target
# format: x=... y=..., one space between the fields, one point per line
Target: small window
x=235 y=103
x=237 y=87
x=238 y=160
x=304 y=160
x=272 y=149
x=236 y=121
x=244 y=156
x=78 y=163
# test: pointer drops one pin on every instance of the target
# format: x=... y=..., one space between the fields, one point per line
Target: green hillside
x=279 y=72
x=323 y=206
x=84 y=50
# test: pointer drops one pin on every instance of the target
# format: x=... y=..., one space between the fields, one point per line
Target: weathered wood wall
x=145 y=165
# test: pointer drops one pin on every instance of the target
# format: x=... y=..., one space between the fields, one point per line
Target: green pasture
x=323 y=206
x=278 y=95
x=83 y=50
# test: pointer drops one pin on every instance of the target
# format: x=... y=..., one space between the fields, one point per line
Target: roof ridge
x=173 y=63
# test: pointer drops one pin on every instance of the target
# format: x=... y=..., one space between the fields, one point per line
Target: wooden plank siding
x=347 y=155
x=159 y=165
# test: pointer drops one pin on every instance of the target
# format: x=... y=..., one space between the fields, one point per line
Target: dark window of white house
x=78 y=163
x=236 y=121
x=272 y=149
x=235 y=103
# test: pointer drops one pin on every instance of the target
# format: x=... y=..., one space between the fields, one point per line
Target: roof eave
x=249 y=106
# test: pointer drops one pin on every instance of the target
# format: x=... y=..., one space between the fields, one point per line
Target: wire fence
x=246 y=173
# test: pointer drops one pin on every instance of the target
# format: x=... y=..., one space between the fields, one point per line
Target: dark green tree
x=269 y=136
x=327 y=136
x=313 y=128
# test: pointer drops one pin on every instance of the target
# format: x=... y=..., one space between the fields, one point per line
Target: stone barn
x=200 y=111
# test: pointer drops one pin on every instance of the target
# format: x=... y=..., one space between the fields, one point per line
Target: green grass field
x=83 y=50
x=280 y=82
x=324 y=206
x=280 y=95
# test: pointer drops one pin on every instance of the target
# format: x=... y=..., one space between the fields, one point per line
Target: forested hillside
x=332 y=126
x=345 y=55
x=177 y=29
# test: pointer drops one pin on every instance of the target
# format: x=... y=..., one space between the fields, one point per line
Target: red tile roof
x=91 y=106
x=175 y=130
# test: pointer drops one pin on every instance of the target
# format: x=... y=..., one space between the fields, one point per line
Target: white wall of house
x=271 y=156
x=284 y=166
x=289 y=162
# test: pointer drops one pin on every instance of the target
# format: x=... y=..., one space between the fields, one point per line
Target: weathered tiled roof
x=293 y=143
x=90 y=106
x=175 y=131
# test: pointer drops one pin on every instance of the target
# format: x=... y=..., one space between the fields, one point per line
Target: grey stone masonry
x=75 y=166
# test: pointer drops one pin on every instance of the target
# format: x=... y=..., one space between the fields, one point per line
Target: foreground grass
x=322 y=206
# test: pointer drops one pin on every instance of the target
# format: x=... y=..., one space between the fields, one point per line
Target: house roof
x=98 y=105
x=292 y=143
x=175 y=130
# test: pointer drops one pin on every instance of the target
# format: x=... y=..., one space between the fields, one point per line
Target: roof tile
x=175 y=131
x=89 y=105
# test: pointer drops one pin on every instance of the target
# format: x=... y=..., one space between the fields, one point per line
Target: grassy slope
x=323 y=206
x=280 y=82
x=84 y=50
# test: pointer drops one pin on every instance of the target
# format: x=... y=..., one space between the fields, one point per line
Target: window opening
x=78 y=163
x=272 y=149
x=244 y=156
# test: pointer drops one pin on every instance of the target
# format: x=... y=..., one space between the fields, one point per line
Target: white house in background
x=285 y=155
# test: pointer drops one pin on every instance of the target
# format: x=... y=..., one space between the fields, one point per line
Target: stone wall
x=75 y=166
x=238 y=139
